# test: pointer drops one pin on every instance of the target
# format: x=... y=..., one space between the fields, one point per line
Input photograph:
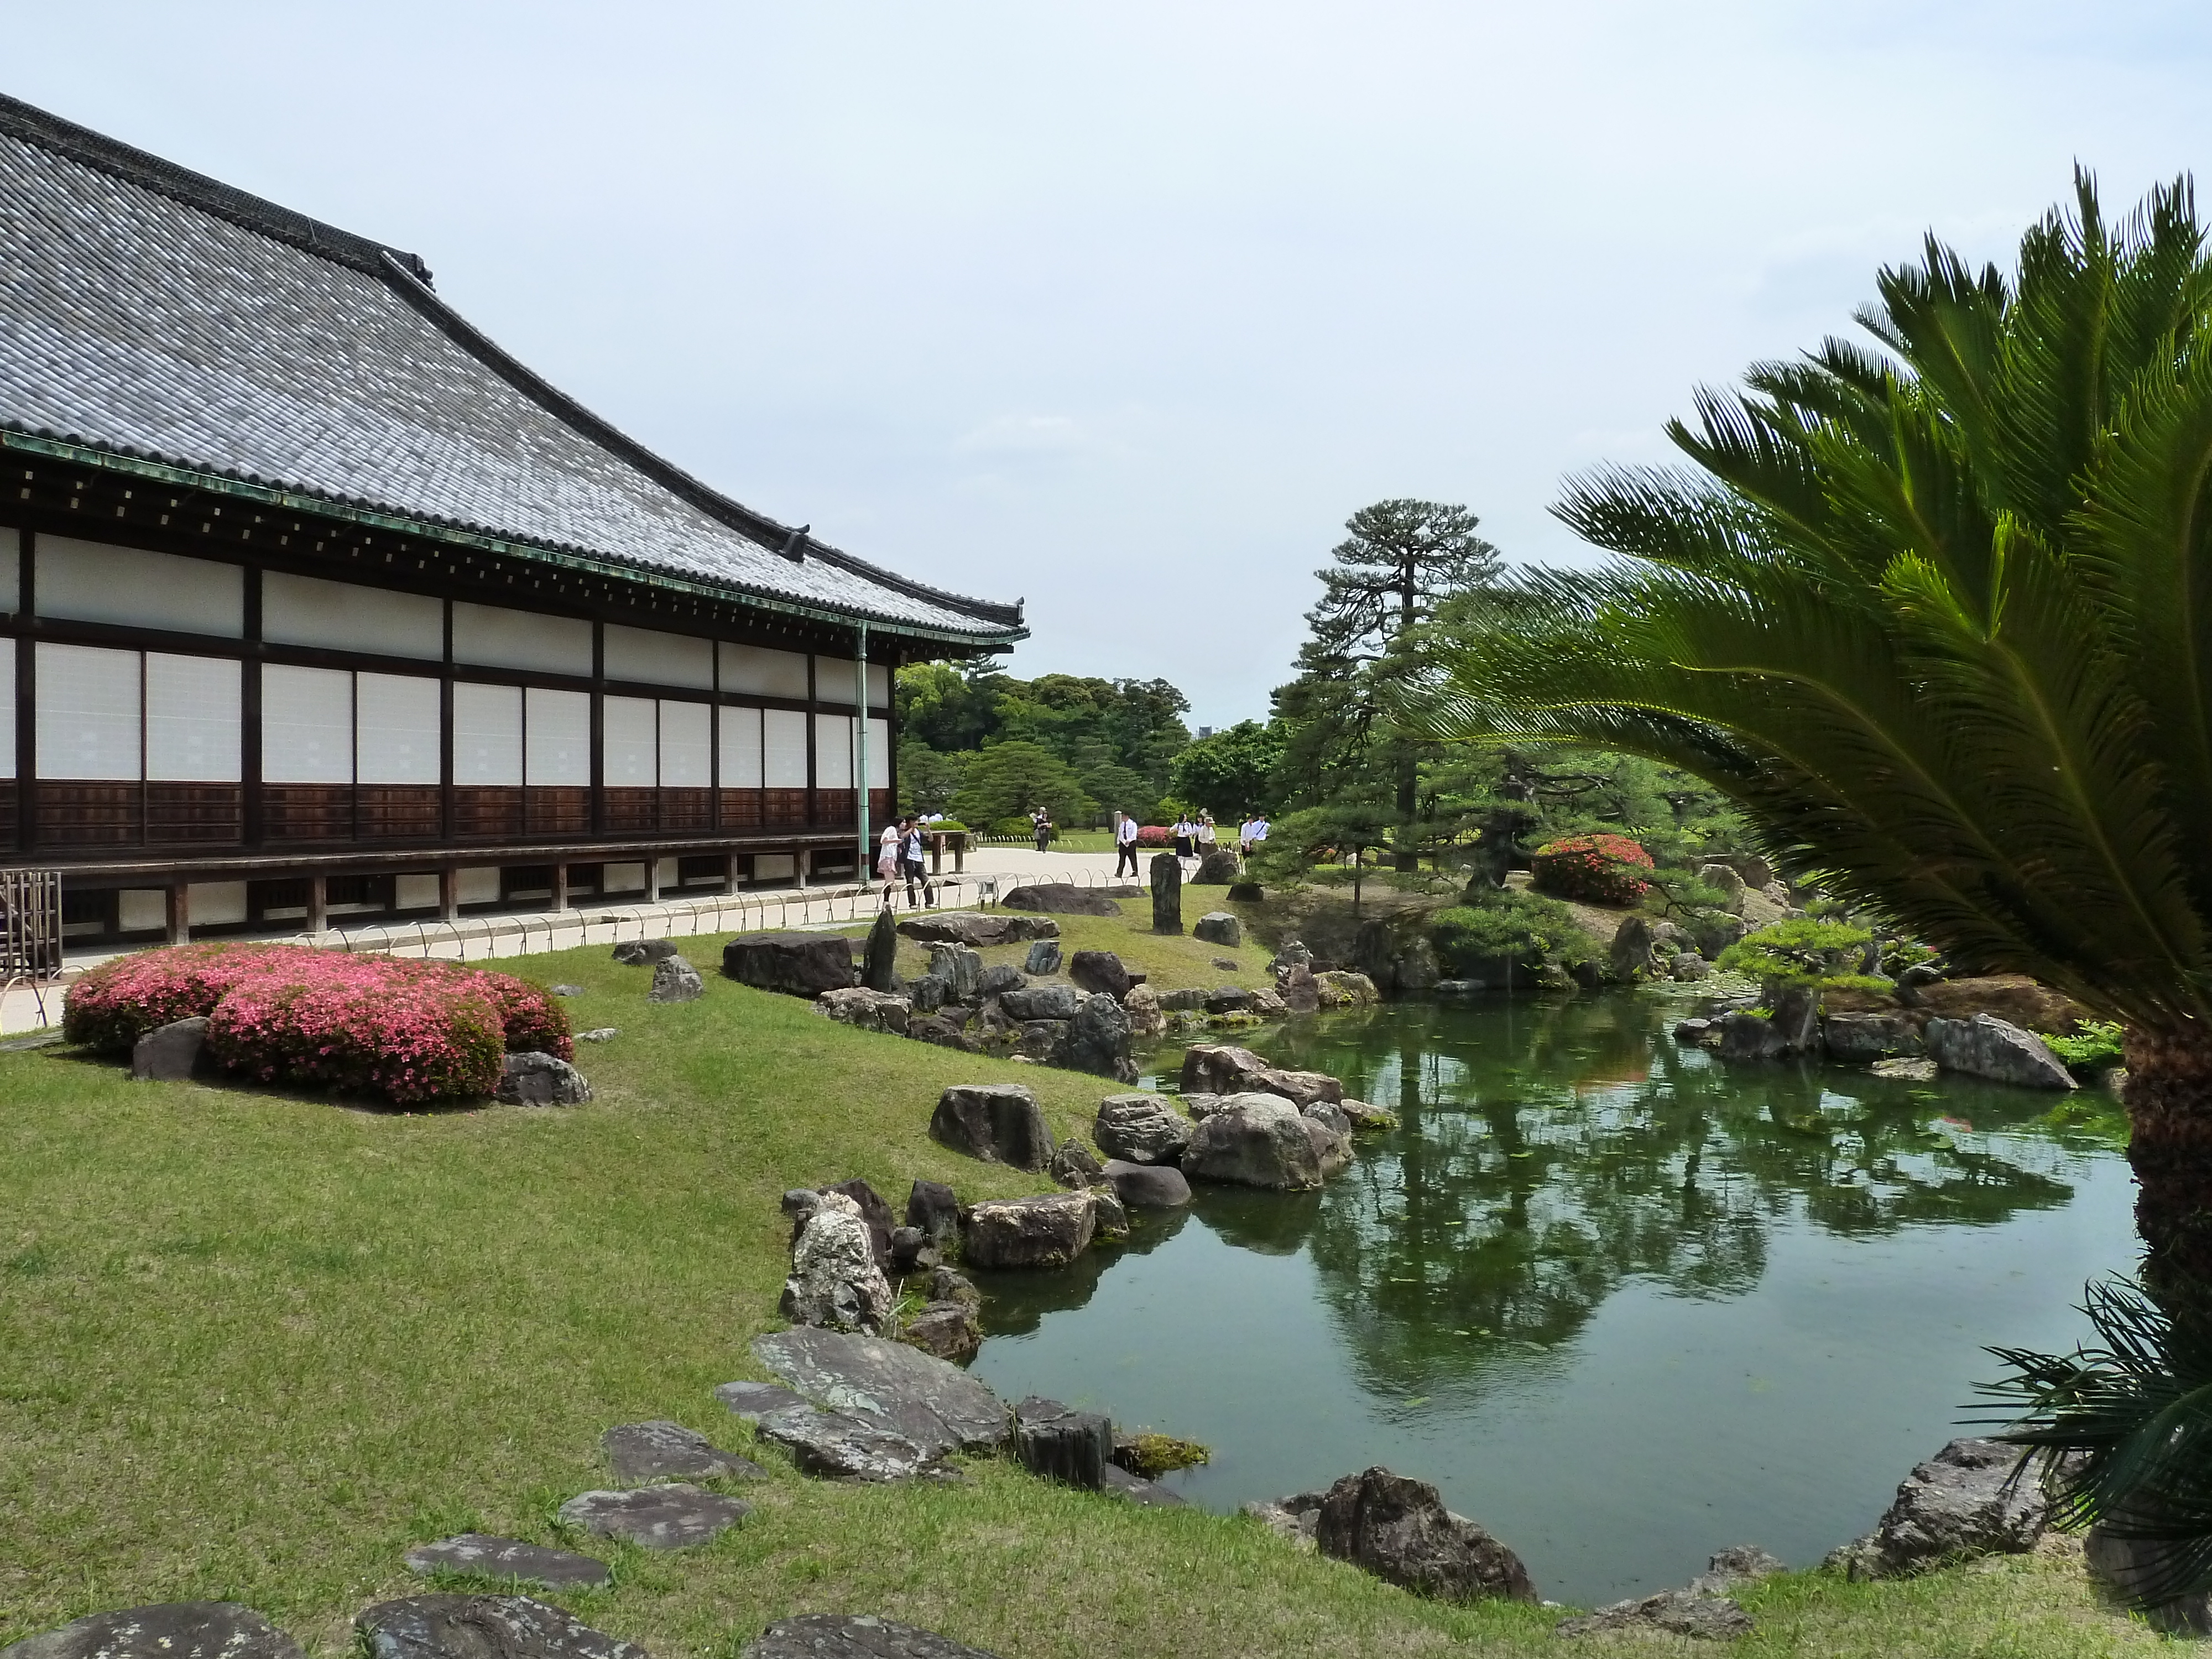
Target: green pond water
x=1625 y=1306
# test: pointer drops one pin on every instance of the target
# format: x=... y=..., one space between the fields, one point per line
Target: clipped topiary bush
x=1596 y=869
x=408 y=1031
x=1469 y=939
x=1154 y=835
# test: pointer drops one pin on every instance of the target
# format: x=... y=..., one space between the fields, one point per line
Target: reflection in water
x=1580 y=1242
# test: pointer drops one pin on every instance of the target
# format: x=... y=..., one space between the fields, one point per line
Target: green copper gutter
x=319 y=507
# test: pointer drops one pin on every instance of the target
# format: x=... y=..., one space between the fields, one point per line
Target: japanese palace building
x=312 y=601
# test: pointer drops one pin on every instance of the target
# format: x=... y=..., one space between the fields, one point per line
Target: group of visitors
x=900 y=853
x=1195 y=835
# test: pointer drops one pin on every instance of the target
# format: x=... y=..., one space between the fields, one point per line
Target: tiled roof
x=148 y=310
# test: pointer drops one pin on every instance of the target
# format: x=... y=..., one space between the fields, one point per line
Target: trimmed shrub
x=1154 y=835
x=409 y=1031
x=1597 y=869
x=1469 y=938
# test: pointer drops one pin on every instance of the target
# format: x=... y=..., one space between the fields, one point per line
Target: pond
x=1625 y=1306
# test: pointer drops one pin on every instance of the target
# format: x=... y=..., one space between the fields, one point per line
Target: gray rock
x=866 y=1009
x=1296 y=1519
x=599 y=1034
x=879 y=957
x=751 y=1401
x=1632 y=955
x=1000 y=978
x=946 y=1285
x=1678 y=1612
x=1199 y=1106
x=1166 y=872
x=1960 y=1504
x=508 y=1558
x=163 y=1629
x=1861 y=1039
x=536 y=1079
x=843 y=1636
x=835 y=1279
x=1987 y=1046
x=1689 y=967
x=998 y=1122
x=1146 y=1020
x=1048 y=1230
x=1118 y=1482
x=174 y=1053
x=1227 y=965
x=1329 y=1114
x=1113 y=1215
x=642 y=952
x=801 y=964
x=1097 y=1040
x=1042 y=1002
x=1188 y=997
x=1218 y=868
x=1793 y=1028
x=927 y=994
x=1460 y=987
x=483 y=1627
x=1366 y=1118
x=930 y=1206
x=1074 y=1164
x=1254 y=1140
x=675 y=1517
x=1074 y=1448
x=1060 y=898
x=978 y=929
x=1738 y=1565
x=960 y=969
x=1417 y=968
x=1147 y=1186
x=661 y=1451
x=840 y=1447
x=1043 y=957
x=1301 y=990
x=566 y=990
x=1691 y=1031
x=1399 y=1529
x=1332 y=1148
x=1727 y=883
x=949 y=1330
x=912 y=1252
x=1228 y=999
x=1100 y=971
x=1224 y=1069
x=675 y=980
x=1908 y=1070
x=937 y=1407
x=1039 y=1037
x=1140 y=1128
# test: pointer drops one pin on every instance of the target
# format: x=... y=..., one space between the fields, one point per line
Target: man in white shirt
x=1124 y=842
x=1253 y=833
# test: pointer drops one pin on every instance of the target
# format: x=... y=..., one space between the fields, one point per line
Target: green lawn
x=252 y=1347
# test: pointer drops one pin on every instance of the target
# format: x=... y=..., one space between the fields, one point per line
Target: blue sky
x=1124 y=309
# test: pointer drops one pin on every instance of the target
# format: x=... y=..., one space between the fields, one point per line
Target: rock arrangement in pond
x=1904 y=1044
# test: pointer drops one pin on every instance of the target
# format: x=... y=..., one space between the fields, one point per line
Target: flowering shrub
x=1153 y=835
x=1600 y=869
x=407 y=1030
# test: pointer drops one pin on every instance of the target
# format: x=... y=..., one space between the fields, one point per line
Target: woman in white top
x=887 y=861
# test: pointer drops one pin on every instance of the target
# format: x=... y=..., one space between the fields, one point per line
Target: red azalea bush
x=1598 y=869
x=1152 y=835
x=407 y=1030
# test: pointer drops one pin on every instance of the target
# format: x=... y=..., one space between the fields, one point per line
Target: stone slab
x=752 y=1401
x=484 y=1627
x=845 y=1636
x=677 y=1517
x=162 y=1629
x=661 y=1451
x=508 y=1558
x=840 y=1447
x=936 y=1405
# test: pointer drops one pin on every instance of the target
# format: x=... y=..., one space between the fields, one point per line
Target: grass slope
x=252 y=1347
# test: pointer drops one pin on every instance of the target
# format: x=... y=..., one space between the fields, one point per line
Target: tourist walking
x=887 y=863
x=915 y=870
x=1124 y=842
x=1040 y=821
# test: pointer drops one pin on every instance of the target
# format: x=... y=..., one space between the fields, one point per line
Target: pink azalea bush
x=409 y=1031
x=1154 y=835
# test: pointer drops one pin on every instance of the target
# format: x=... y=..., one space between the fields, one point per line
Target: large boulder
x=998 y=1122
x=1097 y=1040
x=1342 y=988
x=879 y=958
x=1417 y=968
x=1048 y=1230
x=1041 y=1002
x=1961 y=1502
x=959 y=970
x=1221 y=1068
x=937 y=1407
x=1167 y=893
x=675 y=980
x=1147 y=1186
x=933 y=1211
x=849 y=1635
x=1043 y=957
x=950 y=1330
x=164 y=1630
x=1254 y=1140
x=1100 y=971
x=510 y=1627
x=2013 y=997
x=835 y=1278
x=1218 y=868
x=1861 y=1039
x=1219 y=927
x=1332 y=1145
x=541 y=1079
x=978 y=928
x=1632 y=955
x=1400 y=1530
x=864 y=1010
x=1140 y=1129
x=174 y=1053
x=1147 y=1019
x=1987 y=1046
x=1073 y=1447
x=802 y=965
x=1060 y=898
x=1728 y=882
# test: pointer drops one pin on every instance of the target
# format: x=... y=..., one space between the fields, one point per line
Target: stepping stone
x=839 y=1636
x=753 y=1401
x=599 y=1034
x=842 y=1448
x=1118 y=1482
x=508 y=1558
x=889 y=1385
x=478 y=1626
x=166 y=1630
x=655 y=1451
x=23 y=1045
x=675 y=1517
x=566 y=990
